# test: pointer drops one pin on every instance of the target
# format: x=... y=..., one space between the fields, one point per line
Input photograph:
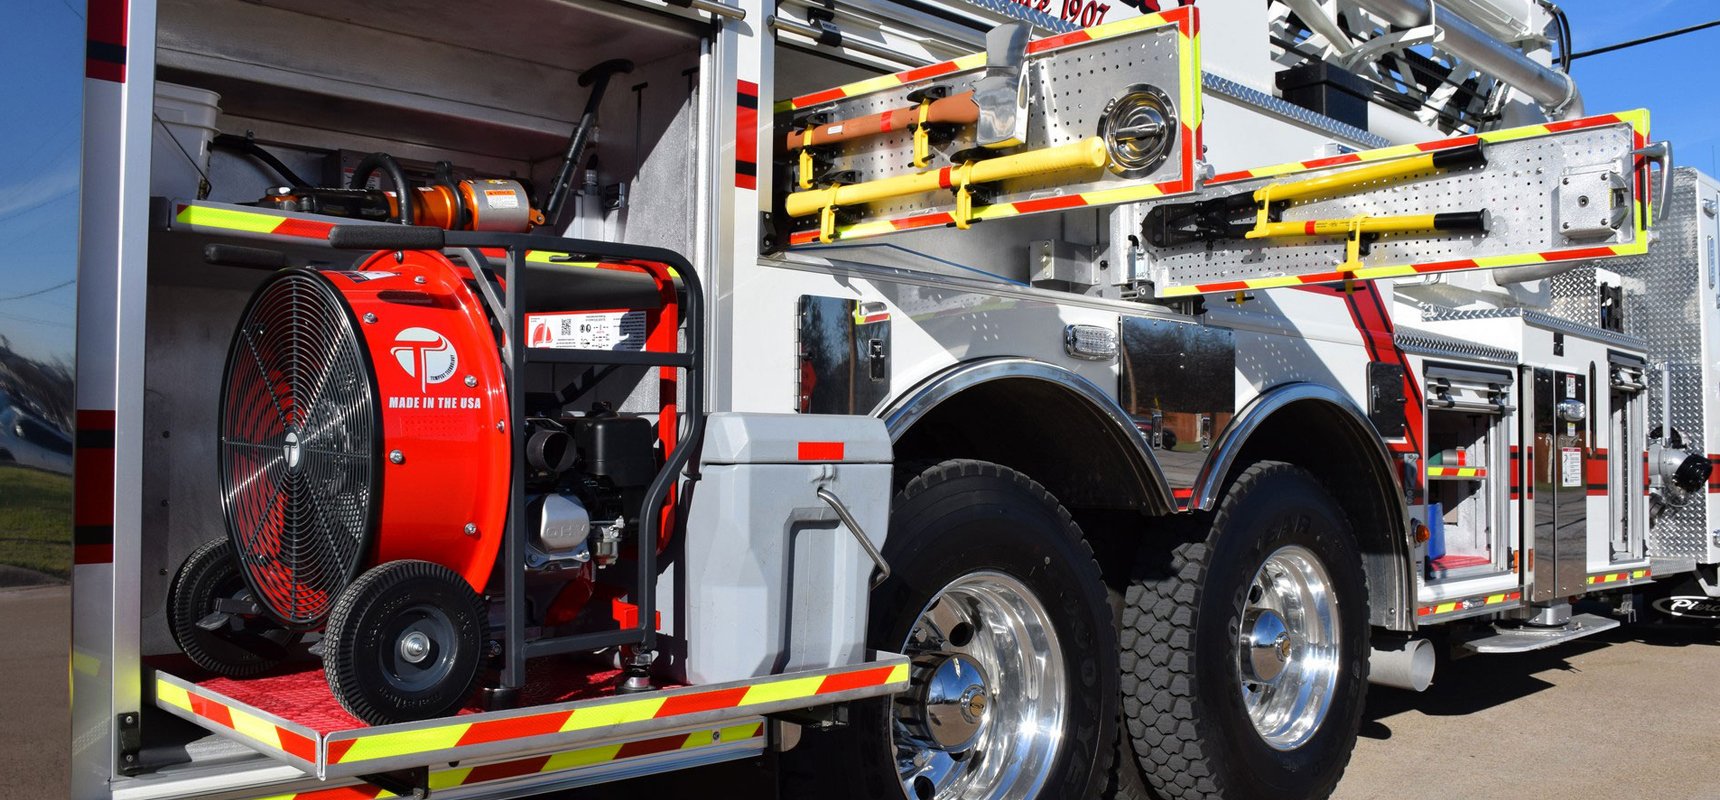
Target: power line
x=61 y=285
x=1645 y=40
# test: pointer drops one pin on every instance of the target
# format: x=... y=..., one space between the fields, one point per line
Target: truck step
x=1526 y=638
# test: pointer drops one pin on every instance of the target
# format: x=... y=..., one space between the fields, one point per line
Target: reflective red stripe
x=702 y=701
x=515 y=728
x=1446 y=143
x=105 y=43
x=821 y=451
x=1050 y=203
x=928 y=71
x=506 y=769
x=826 y=96
x=843 y=681
x=92 y=488
x=746 y=135
x=304 y=228
x=1329 y=161
x=1054 y=42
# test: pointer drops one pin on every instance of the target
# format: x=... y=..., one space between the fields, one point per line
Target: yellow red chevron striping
x=1468 y=603
x=1638 y=120
x=1614 y=577
x=1456 y=472
x=556 y=762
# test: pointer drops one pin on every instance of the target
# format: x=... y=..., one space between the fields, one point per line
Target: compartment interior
x=490 y=87
x=1090 y=241
x=1465 y=543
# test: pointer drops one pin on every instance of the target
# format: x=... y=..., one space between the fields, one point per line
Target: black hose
x=244 y=144
x=390 y=168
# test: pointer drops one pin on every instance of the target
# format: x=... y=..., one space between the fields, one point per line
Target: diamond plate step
x=1525 y=639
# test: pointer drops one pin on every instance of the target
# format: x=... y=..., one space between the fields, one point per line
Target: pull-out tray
x=291 y=715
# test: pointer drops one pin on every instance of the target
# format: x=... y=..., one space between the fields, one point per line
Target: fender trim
x=899 y=415
x=1399 y=610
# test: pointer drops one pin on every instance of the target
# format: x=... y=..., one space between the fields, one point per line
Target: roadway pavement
x=1628 y=713
x=35 y=729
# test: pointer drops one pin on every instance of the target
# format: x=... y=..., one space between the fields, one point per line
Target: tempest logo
x=425 y=355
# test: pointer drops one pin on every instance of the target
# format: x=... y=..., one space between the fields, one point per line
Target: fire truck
x=947 y=398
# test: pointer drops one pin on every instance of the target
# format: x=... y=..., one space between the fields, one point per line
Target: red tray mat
x=1453 y=561
x=300 y=693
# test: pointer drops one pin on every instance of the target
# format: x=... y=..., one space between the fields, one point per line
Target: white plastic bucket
x=184 y=125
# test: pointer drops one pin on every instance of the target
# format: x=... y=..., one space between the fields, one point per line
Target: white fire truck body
x=1467 y=445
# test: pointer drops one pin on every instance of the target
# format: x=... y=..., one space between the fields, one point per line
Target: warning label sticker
x=589 y=330
x=1570 y=466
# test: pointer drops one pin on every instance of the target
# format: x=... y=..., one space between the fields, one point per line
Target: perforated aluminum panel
x=1663 y=304
x=1517 y=188
x=1068 y=90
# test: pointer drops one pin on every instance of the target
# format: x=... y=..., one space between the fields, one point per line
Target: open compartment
x=260 y=174
x=1109 y=115
x=1466 y=473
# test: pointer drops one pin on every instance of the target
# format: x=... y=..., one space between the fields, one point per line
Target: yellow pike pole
x=1089 y=153
x=1352 y=180
x=1354 y=228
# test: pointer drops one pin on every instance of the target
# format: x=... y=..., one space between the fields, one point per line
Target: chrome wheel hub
x=1269 y=646
x=1288 y=642
x=985 y=716
x=953 y=700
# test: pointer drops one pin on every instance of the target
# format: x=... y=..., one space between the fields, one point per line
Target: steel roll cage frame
x=664 y=267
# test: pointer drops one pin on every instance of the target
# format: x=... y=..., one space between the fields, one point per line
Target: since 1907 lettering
x=1085 y=13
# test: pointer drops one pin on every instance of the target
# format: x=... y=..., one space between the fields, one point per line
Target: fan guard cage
x=300 y=447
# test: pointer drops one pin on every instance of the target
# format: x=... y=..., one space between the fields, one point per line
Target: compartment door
x=1558 y=562
x=1627 y=470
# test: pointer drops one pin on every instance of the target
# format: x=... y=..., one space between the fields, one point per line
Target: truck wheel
x=404 y=642
x=996 y=597
x=238 y=646
x=1249 y=648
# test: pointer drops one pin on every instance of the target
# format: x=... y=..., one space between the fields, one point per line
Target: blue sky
x=1674 y=78
x=41 y=55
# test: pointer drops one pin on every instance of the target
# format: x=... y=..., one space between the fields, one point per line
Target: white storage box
x=774 y=580
x=184 y=125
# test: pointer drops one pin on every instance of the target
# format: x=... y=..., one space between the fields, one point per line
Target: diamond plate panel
x=1662 y=303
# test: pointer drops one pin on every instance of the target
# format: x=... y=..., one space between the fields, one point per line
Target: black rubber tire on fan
x=954 y=519
x=1181 y=693
x=362 y=655
x=248 y=646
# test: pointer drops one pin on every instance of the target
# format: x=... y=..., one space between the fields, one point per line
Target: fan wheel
x=404 y=643
x=234 y=645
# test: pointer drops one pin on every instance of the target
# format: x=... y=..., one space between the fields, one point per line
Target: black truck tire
x=1189 y=681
